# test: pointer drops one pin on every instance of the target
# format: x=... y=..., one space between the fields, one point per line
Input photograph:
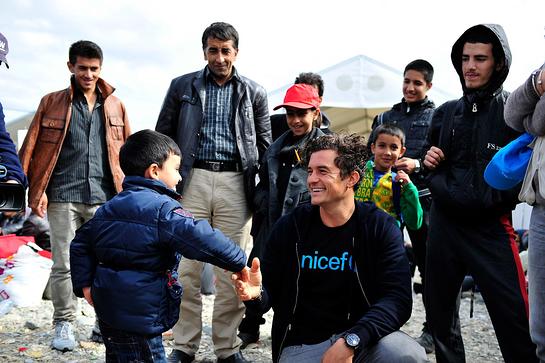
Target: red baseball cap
x=301 y=96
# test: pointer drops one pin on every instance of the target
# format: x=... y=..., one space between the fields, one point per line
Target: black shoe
x=97 y=337
x=248 y=339
x=426 y=341
x=235 y=358
x=179 y=356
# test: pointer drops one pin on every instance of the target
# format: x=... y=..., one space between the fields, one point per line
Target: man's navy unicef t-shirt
x=328 y=284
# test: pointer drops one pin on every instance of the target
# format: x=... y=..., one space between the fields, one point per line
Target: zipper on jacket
x=474 y=108
x=288 y=328
x=358 y=276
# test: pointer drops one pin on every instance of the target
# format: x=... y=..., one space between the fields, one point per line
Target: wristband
x=417 y=165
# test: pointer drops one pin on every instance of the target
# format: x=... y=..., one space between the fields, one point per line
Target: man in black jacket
x=334 y=271
x=220 y=121
x=470 y=226
x=413 y=115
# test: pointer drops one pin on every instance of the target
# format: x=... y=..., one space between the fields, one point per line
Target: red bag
x=10 y=243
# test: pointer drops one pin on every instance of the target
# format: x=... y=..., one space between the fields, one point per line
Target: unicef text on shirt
x=327 y=263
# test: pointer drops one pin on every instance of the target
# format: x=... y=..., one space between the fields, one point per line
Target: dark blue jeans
x=125 y=347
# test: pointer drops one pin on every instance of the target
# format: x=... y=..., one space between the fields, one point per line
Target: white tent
x=356 y=90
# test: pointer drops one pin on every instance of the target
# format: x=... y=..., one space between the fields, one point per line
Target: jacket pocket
x=117 y=126
x=51 y=130
x=417 y=137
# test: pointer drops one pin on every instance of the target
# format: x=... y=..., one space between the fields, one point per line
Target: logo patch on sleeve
x=182 y=212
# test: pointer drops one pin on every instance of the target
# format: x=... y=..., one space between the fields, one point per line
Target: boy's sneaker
x=64 y=337
x=96 y=335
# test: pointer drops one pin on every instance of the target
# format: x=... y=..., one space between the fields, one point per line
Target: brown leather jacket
x=47 y=131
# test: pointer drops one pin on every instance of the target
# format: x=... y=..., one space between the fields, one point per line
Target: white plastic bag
x=24 y=276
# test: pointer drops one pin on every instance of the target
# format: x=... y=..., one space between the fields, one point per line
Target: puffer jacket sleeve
x=83 y=261
x=525 y=109
x=197 y=240
x=8 y=154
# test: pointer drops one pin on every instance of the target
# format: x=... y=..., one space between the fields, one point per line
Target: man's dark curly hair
x=351 y=149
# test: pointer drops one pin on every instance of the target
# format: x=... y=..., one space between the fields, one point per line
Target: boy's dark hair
x=422 y=66
x=351 y=149
x=221 y=31
x=312 y=79
x=481 y=34
x=391 y=130
x=144 y=148
x=86 y=49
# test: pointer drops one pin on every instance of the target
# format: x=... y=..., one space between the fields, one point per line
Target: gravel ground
x=25 y=335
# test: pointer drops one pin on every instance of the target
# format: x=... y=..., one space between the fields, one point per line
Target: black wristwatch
x=352 y=340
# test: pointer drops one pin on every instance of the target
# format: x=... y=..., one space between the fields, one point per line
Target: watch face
x=352 y=340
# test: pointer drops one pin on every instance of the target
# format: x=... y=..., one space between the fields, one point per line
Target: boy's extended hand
x=87 y=295
x=248 y=281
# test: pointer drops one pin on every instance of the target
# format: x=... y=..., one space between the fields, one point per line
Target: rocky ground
x=25 y=335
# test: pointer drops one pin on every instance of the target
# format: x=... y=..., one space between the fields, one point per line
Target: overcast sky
x=146 y=43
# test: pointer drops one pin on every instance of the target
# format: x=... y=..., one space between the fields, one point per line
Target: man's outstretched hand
x=248 y=281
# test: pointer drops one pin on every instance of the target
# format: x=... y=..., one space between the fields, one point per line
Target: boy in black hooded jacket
x=470 y=225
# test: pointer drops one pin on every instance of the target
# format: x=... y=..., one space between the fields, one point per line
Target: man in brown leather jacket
x=71 y=157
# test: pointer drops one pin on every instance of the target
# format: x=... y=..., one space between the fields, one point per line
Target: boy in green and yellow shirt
x=391 y=191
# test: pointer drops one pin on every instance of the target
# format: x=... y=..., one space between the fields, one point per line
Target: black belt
x=217 y=165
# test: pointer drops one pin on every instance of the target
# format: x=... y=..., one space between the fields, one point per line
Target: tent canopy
x=358 y=89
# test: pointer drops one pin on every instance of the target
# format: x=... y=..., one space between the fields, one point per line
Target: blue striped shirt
x=217 y=141
x=82 y=172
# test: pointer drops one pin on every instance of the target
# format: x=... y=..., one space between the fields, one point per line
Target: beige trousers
x=64 y=220
x=219 y=198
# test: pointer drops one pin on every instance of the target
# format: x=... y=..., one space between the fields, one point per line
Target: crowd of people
x=135 y=218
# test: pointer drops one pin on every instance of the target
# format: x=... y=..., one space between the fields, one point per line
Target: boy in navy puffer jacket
x=124 y=260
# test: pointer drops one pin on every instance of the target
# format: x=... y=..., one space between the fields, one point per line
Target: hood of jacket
x=141 y=182
x=498 y=77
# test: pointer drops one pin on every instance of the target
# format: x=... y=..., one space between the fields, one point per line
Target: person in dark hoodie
x=470 y=225
x=334 y=271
